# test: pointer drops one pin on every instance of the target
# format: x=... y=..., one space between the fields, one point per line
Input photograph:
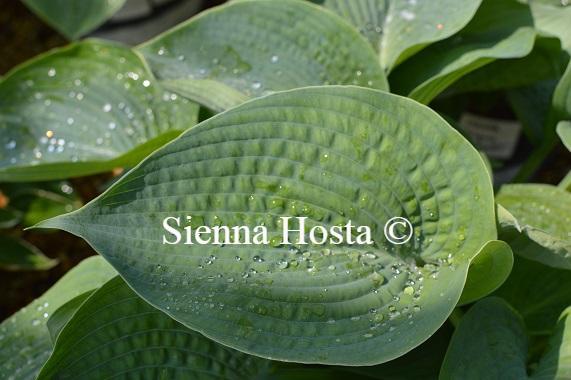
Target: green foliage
x=501 y=29
x=74 y=18
x=26 y=343
x=536 y=223
x=272 y=157
x=84 y=109
x=297 y=44
x=491 y=343
x=88 y=346
x=399 y=29
x=306 y=127
x=17 y=254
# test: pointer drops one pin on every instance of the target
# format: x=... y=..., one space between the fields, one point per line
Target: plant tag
x=496 y=137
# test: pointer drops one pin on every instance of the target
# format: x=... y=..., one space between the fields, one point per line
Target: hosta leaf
x=74 y=18
x=545 y=62
x=490 y=343
x=248 y=48
x=539 y=225
x=501 y=29
x=17 y=254
x=564 y=131
x=538 y=292
x=565 y=183
x=488 y=270
x=398 y=29
x=24 y=338
x=84 y=109
x=328 y=153
x=556 y=361
x=115 y=332
x=63 y=314
x=552 y=17
x=562 y=96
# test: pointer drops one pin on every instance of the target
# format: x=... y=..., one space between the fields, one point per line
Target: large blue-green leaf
x=491 y=343
x=501 y=29
x=538 y=292
x=330 y=154
x=24 y=338
x=397 y=29
x=115 y=333
x=84 y=109
x=537 y=223
x=74 y=18
x=245 y=49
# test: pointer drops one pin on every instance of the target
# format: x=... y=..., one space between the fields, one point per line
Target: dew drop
x=52 y=72
x=407 y=15
x=274 y=59
x=107 y=107
x=256 y=85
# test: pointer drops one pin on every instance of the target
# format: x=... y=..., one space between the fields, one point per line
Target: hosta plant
x=323 y=115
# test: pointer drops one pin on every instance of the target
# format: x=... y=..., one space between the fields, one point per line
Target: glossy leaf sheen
x=24 y=338
x=539 y=227
x=398 y=29
x=74 y=18
x=501 y=29
x=330 y=154
x=116 y=333
x=245 y=49
x=84 y=109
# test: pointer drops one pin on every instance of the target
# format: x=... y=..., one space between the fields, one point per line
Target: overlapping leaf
x=74 y=18
x=398 y=29
x=501 y=29
x=327 y=153
x=116 y=333
x=552 y=17
x=249 y=48
x=537 y=224
x=488 y=270
x=84 y=109
x=538 y=292
x=24 y=338
x=491 y=343
x=564 y=132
